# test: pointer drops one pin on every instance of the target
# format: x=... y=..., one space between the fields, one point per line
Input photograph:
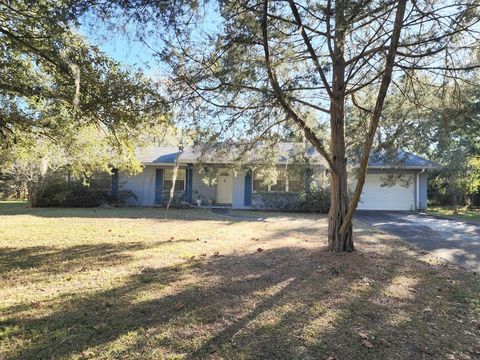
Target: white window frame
x=269 y=187
x=165 y=179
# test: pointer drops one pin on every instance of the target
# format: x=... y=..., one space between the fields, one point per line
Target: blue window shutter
x=158 y=186
x=248 y=188
x=189 y=183
x=114 y=188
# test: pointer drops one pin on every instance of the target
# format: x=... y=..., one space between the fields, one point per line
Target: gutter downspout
x=417 y=191
x=419 y=206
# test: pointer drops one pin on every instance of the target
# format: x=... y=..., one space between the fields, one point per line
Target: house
x=395 y=184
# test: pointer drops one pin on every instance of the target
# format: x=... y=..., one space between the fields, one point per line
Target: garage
x=378 y=195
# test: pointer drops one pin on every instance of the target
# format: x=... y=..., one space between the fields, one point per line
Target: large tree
x=254 y=67
x=440 y=121
x=53 y=82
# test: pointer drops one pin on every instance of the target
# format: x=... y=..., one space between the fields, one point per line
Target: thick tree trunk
x=338 y=241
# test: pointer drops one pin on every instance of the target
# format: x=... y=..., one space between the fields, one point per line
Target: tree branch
x=310 y=48
x=382 y=93
x=309 y=133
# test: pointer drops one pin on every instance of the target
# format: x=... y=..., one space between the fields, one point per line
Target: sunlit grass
x=464 y=213
x=129 y=283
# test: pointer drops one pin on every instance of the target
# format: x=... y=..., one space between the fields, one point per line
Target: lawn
x=131 y=284
x=466 y=214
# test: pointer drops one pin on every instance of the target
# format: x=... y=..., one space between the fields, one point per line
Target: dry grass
x=127 y=283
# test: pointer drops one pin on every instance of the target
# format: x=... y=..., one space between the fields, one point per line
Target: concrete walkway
x=453 y=240
x=226 y=213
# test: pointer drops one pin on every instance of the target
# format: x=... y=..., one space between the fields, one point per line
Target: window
x=179 y=182
x=293 y=184
x=281 y=185
x=258 y=184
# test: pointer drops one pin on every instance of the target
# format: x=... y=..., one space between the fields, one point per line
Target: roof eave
x=429 y=167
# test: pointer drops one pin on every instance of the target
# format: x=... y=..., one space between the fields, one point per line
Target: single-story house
x=390 y=185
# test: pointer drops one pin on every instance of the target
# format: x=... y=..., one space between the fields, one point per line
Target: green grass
x=466 y=214
x=128 y=283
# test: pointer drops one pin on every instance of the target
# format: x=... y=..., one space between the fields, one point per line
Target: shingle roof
x=167 y=155
x=399 y=159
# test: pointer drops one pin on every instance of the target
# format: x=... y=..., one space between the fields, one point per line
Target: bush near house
x=58 y=192
x=315 y=199
x=179 y=201
x=311 y=199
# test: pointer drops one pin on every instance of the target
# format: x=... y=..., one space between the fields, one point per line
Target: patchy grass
x=130 y=284
x=465 y=213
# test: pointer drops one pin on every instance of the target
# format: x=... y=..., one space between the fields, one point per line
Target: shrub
x=314 y=198
x=83 y=196
x=179 y=201
x=52 y=193
x=122 y=197
x=276 y=200
x=57 y=192
x=311 y=199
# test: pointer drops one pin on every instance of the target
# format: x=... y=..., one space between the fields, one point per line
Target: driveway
x=452 y=240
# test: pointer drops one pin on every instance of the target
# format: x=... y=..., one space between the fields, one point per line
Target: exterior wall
x=422 y=190
x=288 y=200
x=142 y=185
x=238 y=190
x=200 y=190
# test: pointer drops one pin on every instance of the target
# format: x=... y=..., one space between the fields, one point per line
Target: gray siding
x=422 y=190
x=200 y=190
x=238 y=191
x=142 y=185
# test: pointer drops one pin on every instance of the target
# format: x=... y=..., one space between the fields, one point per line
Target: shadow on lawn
x=107 y=212
x=155 y=213
x=47 y=259
x=284 y=303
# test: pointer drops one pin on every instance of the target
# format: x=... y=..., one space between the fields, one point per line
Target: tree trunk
x=338 y=241
x=32 y=195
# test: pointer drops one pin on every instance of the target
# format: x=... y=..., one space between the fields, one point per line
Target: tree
x=259 y=67
x=63 y=103
x=459 y=177
x=28 y=163
x=440 y=121
x=34 y=160
x=53 y=81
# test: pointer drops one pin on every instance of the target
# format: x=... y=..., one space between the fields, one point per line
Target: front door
x=224 y=187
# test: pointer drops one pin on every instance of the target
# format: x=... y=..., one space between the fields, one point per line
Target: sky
x=123 y=48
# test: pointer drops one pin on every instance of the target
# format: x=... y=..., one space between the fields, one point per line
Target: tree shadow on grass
x=151 y=213
x=49 y=259
x=284 y=303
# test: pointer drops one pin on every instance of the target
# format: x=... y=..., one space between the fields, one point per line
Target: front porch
x=153 y=187
x=223 y=187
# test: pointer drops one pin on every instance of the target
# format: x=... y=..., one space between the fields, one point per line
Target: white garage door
x=377 y=196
